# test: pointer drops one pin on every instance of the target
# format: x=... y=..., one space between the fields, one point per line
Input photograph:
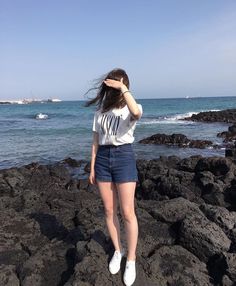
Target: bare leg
x=109 y=197
x=126 y=193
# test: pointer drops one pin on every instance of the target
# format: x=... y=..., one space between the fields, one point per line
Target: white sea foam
x=164 y=121
x=178 y=117
x=172 y=119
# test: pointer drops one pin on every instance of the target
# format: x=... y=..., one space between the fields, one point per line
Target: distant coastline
x=29 y=101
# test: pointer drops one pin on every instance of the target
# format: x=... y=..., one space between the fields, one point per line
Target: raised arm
x=131 y=103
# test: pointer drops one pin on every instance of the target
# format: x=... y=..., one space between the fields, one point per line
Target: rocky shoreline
x=178 y=140
x=230 y=135
x=182 y=141
x=53 y=230
x=227 y=115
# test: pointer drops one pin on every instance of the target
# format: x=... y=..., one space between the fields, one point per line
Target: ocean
x=67 y=131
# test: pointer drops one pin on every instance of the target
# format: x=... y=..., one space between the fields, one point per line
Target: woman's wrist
x=123 y=88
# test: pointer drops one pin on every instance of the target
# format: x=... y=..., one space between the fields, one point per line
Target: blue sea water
x=67 y=131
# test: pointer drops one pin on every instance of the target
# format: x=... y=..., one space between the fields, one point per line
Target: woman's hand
x=92 y=179
x=115 y=84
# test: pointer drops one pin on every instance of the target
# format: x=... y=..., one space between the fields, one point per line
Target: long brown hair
x=108 y=97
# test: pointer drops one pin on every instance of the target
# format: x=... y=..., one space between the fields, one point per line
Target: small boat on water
x=41 y=116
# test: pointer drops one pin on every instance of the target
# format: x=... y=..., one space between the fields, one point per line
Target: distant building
x=27 y=101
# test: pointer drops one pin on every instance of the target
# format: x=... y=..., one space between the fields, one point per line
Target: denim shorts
x=115 y=164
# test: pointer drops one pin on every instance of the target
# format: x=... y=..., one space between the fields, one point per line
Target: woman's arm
x=131 y=103
x=94 y=149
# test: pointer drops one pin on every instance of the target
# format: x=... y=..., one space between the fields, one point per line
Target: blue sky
x=169 y=48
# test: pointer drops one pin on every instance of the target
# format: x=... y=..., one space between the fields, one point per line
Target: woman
x=113 y=166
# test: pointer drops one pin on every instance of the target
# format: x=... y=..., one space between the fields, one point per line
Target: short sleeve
x=95 y=122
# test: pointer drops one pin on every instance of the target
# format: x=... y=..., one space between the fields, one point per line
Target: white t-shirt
x=116 y=126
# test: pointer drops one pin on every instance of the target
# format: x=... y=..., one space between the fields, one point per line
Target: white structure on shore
x=13 y=102
x=27 y=101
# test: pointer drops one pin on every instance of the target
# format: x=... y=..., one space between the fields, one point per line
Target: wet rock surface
x=53 y=232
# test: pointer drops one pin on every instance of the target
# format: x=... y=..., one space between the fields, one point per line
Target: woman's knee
x=128 y=214
x=110 y=212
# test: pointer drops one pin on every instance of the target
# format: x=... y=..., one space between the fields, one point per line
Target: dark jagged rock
x=230 y=135
x=227 y=136
x=189 y=164
x=230 y=195
x=226 y=281
x=174 y=265
x=53 y=231
x=217 y=268
x=232 y=236
x=49 y=266
x=170 y=211
x=179 y=140
x=230 y=152
x=232 y=128
x=8 y=275
x=217 y=166
x=231 y=265
x=228 y=116
x=202 y=237
x=153 y=233
x=72 y=162
x=221 y=216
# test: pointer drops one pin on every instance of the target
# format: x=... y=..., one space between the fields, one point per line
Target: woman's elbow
x=137 y=115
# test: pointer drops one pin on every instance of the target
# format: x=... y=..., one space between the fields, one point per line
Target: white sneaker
x=130 y=272
x=114 y=265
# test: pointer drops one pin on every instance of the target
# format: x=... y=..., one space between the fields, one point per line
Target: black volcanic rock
x=228 y=116
x=217 y=166
x=53 y=230
x=72 y=162
x=231 y=153
x=220 y=215
x=203 y=237
x=170 y=211
x=174 y=263
x=179 y=140
x=231 y=265
x=230 y=135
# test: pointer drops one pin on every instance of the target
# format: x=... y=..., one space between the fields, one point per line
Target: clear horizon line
x=182 y=97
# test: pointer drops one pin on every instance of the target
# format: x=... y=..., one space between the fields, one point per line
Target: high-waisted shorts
x=115 y=164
